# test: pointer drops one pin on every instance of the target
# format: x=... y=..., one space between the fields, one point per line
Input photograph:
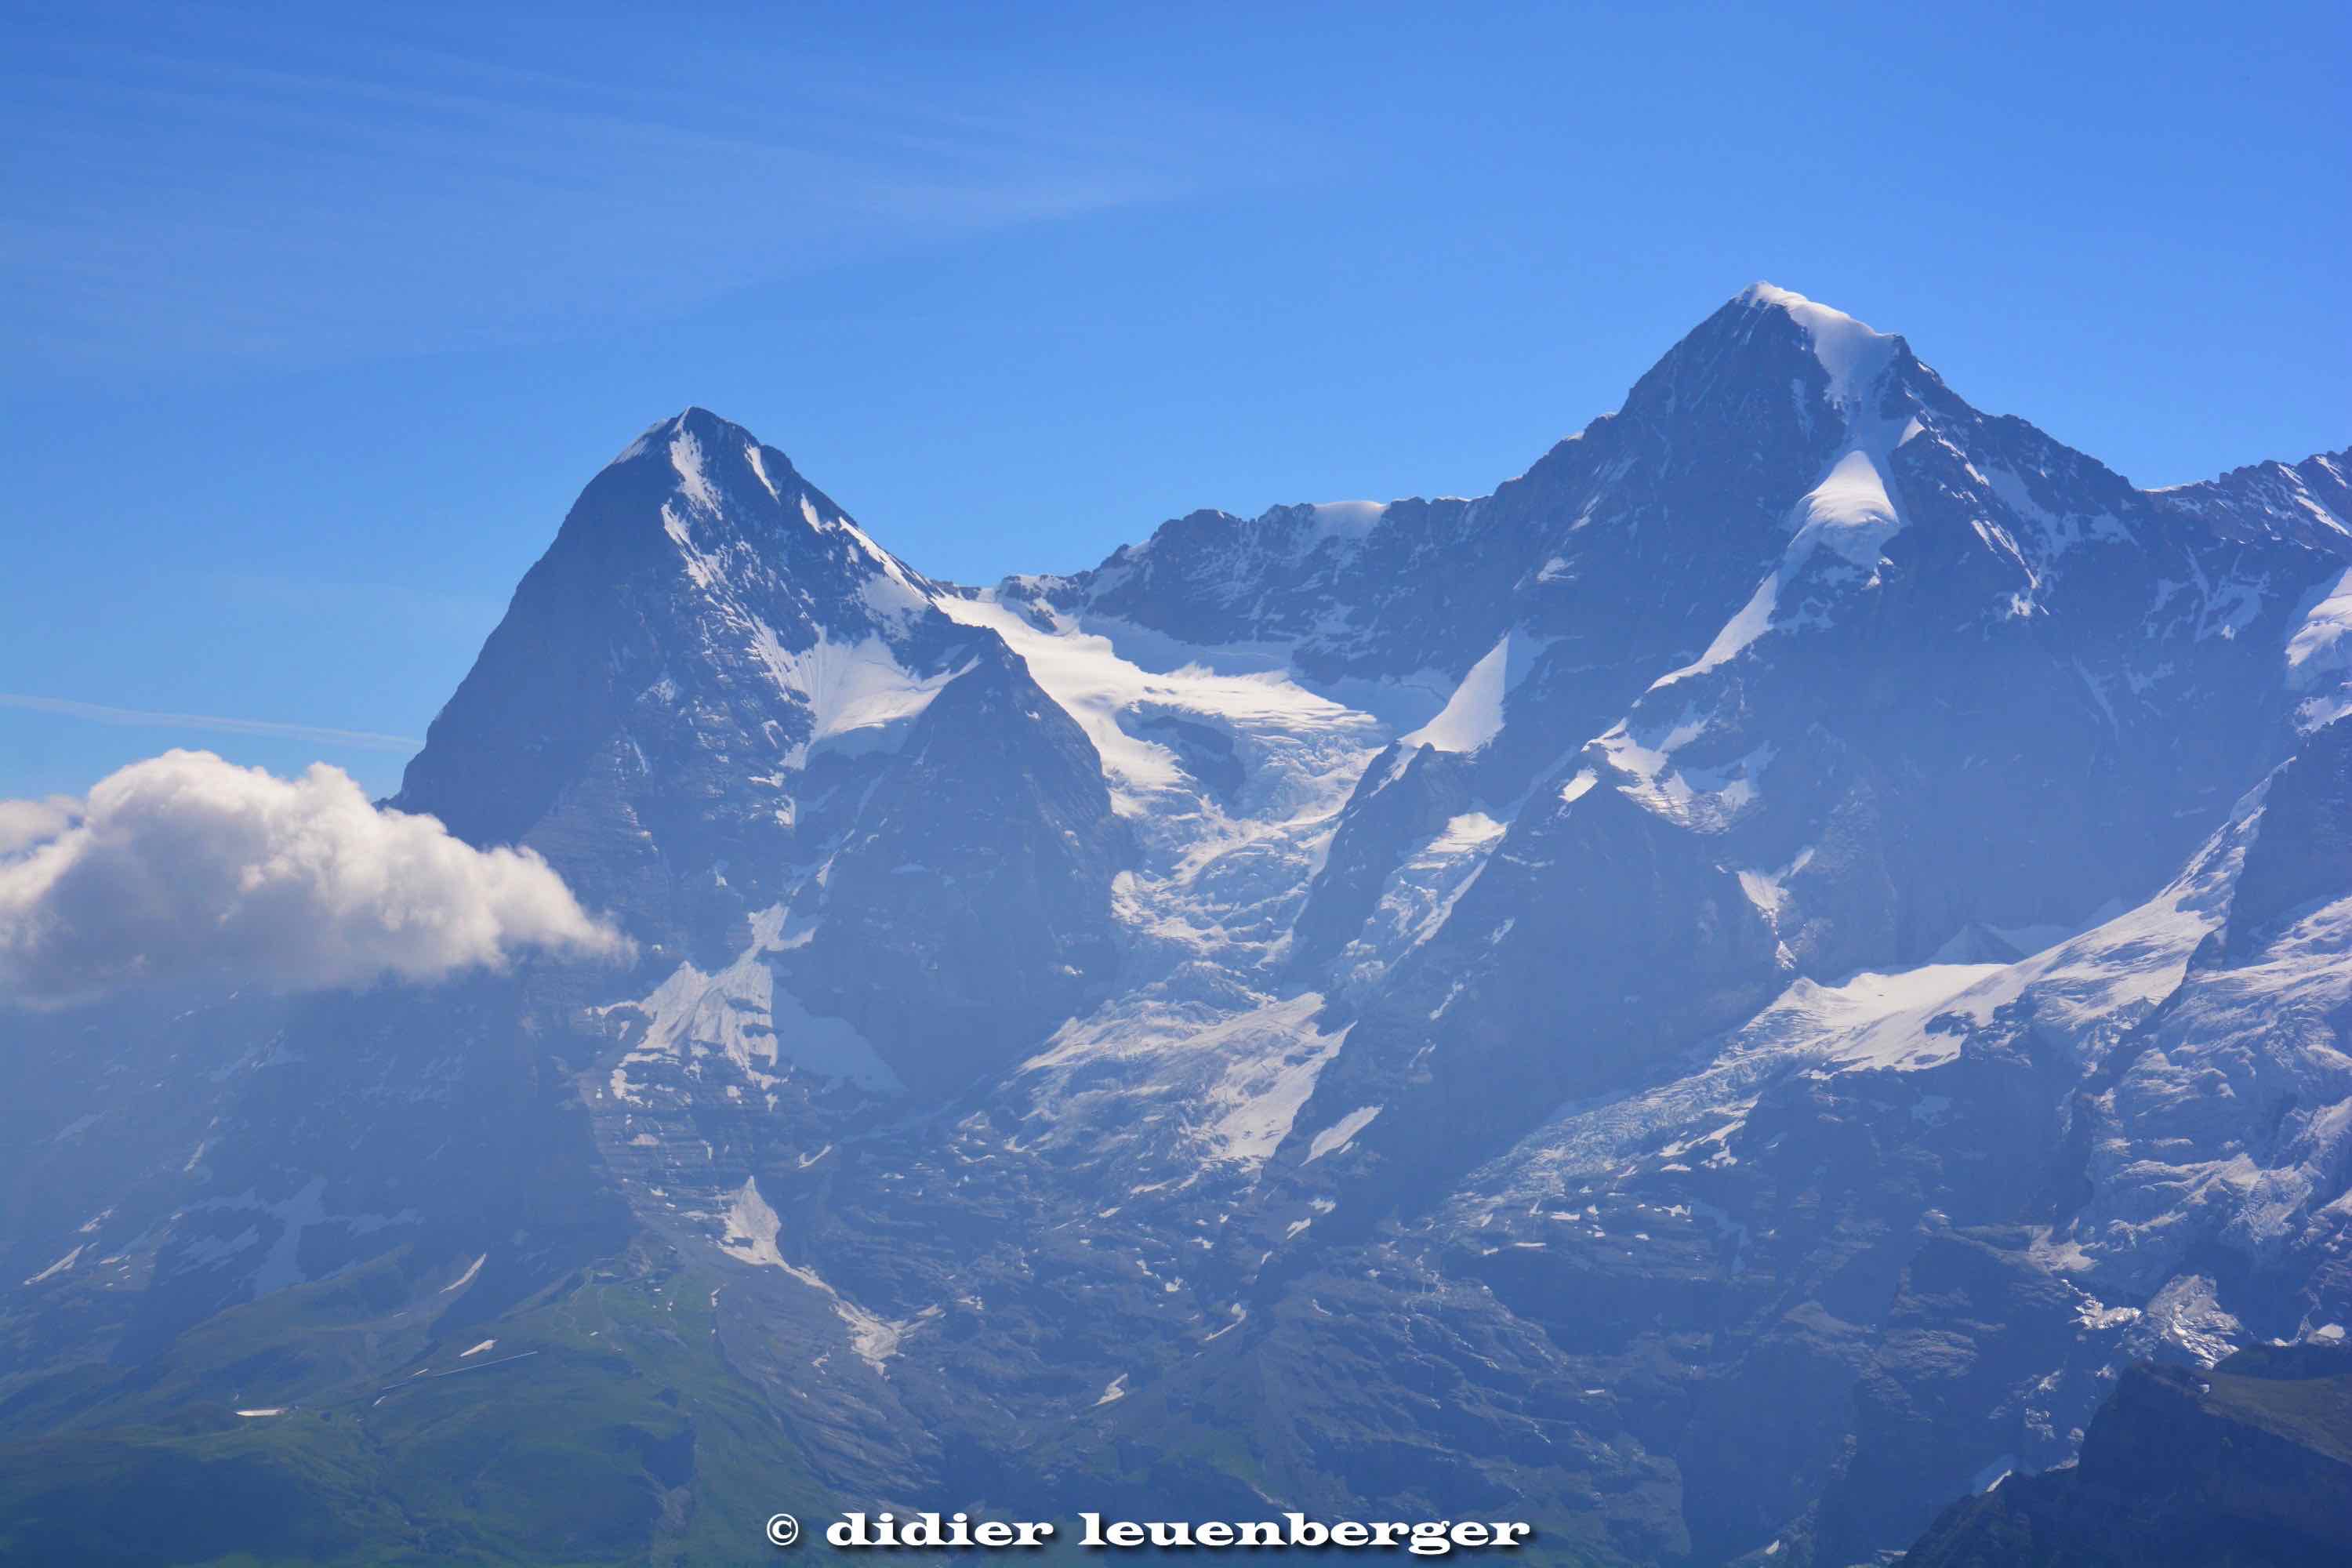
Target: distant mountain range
x=1714 y=1000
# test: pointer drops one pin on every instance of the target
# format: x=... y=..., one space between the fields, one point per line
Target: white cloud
x=187 y=865
x=25 y=823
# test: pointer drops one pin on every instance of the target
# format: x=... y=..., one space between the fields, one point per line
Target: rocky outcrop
x=2248 y=1465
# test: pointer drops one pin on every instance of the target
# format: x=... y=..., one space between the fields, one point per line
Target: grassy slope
x=621 y=1437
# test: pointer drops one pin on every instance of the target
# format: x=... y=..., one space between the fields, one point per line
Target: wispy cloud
x=219 y=195
x=363 y=739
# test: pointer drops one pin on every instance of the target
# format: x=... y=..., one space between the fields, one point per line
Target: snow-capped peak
x=710 y=458
x=721 y=490
x=1852 y=352
x=694 y=422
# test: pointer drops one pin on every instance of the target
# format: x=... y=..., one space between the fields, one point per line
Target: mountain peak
x=1771 y=372
x=1810 y=314
x=697 y=428
x=701 y=600
x=1851 y=351
x=701 y=425
x=706 y=480
x=700 y=491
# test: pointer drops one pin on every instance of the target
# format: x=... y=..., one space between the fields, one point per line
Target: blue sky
x=317 y=321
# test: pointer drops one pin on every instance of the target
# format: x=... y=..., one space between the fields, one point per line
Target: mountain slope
x=1873 y=670
x=2246 y=1464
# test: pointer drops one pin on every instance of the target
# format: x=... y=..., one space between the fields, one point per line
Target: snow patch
x=1340 y=1133
x=741 y=1015
x=1236 y=1082
x=1474 y=715
x=750 y=1230
x=858 y=696
x=2319 y=653
x=1086 y=673
x=63 y=1265
x=1990 y=1477
x=1849 y=513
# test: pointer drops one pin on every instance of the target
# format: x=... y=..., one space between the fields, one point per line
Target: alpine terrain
x=1720 y=1000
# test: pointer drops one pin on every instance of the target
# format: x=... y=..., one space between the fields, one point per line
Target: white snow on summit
x=1853 y=355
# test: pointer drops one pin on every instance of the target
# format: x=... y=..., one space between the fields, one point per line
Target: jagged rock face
x=1932 y=670
x=2216 y=1138
x=2248 y=1463
x=1407 y=795
x=2302 y=850
x=968 y=911
x=686 y=679
x=1707 y=999
x=716 y=694
x=2307 y=501
x=1617 y=554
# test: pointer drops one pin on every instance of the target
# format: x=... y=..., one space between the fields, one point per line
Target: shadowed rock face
x=2304 y=851
x=1832 y=668
x=969 y=913
x=688 y=582
x=2249 y=1464
x=714 y=682
x=1709 y=1000
x=1408 y=796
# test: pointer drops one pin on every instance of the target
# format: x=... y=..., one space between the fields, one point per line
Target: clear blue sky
x=318 y=318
